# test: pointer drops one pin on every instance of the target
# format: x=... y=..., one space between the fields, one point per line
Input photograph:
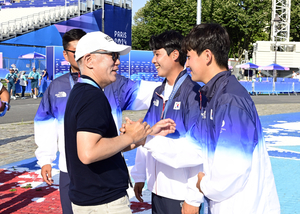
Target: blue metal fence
x=290 y=86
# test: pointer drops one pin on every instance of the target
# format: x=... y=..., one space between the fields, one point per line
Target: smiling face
x=197 y=65
x=105 y=68
x=163 y=62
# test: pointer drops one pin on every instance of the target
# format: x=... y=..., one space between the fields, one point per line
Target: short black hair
x=169 y=40
x=209 y=36
x=72 y=35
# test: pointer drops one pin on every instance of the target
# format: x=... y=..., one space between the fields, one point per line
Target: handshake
x=139 y=130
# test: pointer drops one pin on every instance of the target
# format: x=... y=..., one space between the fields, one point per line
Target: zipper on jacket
x=200 y=100
x=164 y=105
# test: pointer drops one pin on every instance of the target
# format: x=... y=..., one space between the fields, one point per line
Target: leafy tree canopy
x=158 y=16
x=246 y=21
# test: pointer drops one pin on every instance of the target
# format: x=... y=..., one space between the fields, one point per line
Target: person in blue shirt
x=35 y=78
x=173 y=187
x=45 y=74
x=11 y=79
x=237 y=175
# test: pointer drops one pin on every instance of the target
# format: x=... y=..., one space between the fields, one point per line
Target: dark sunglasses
x=115 y=56
x=70 y=51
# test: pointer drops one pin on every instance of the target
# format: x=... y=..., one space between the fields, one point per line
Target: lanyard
x=87 y=81
x=176 y=87
x=71 y=81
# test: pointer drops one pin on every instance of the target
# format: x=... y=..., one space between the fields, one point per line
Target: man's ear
x=208 y=56
x=175 y=55
x=66 y=55
x=88 y=61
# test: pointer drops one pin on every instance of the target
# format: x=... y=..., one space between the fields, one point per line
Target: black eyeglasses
x=70 y=51
x=115 y=56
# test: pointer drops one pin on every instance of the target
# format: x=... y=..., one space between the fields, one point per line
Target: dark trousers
x=23 y=90
x=64 y=181
x=162 y=205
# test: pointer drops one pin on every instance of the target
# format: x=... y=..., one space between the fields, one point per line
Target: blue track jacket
x=123 y=94
x=238 y=174
x=166 y=177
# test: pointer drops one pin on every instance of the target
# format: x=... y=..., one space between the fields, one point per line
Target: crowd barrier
x=272 y=87
x=42 y=88
x=252 y=87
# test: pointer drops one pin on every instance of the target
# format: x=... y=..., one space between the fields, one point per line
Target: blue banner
x=56 y=63
x=141 y=67
x=118 y=24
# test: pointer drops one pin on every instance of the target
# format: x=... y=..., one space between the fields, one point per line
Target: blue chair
x=263 y=87
x=283 y=87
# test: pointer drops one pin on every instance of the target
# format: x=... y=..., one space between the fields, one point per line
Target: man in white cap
x=98 y=172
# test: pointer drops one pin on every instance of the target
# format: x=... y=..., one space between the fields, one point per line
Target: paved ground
x=282 y=134
x=21 y=110
x=17 y=140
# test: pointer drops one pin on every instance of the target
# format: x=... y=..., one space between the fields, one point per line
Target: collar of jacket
x=162 y=88
x=74 y=75
x=209 y=89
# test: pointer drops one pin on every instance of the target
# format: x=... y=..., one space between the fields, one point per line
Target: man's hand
x=189 y=209
x=137 y=130
x=138 y=189
x=200 y=176
x=164 y=127
x=46 y=173
x=122 y=129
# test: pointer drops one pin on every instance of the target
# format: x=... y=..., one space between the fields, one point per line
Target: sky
x=136 y=5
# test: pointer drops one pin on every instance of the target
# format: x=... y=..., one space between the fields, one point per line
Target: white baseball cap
x=98 y=41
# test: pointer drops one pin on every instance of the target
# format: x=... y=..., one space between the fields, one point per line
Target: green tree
x=295 y=21
x=158 y=16
x=246 y=21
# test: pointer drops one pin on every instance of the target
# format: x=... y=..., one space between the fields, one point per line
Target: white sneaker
x=34 y=97
x=13 y=97
x=31 y=95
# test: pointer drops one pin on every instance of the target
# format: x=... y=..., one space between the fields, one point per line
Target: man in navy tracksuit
x=237 y=175
x=173 y=187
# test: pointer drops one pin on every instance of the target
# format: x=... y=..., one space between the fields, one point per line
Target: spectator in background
x=298 y=76
x=259 y=76
x=294 y=75
x=11 y=79
x=23 y=83
x=45 y=74
x=35 y=82
x=4 y=100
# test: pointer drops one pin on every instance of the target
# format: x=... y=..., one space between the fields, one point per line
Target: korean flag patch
x=177 y=106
